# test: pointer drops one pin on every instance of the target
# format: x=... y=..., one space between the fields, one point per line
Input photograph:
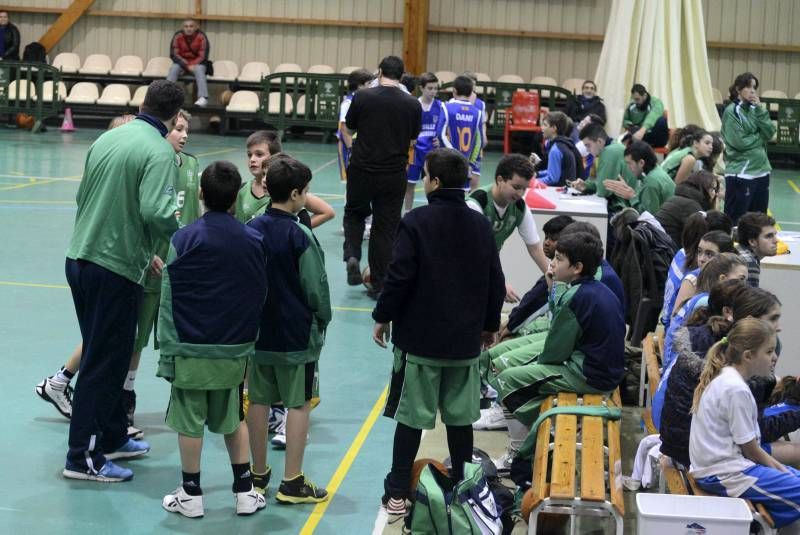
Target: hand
x=505 y=334
x=511 y=295
x=534 y=159
x=755 y=101
x=435 y=142
x=620 y=188
x=579 y=184
x=488 y=339
x=549 y=277
x=381 y=334
x=156 y=266
x=639 y=134
x=190 y=68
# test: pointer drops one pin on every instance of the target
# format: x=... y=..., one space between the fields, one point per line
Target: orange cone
x=67 y=125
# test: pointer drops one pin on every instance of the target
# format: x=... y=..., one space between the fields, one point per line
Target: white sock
x=129 y=380
x=517 y=430
x=60 y=378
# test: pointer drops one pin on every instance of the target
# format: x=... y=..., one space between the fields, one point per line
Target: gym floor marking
x=344 y=466
x=794 y=186
x=213 y=152
x=36 y=182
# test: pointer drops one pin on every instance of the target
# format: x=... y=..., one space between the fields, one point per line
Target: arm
x=685 y=292
x=201 y=43
x=157 y=200
x=655 y=113
x=351 y=118
x=314 y=283
x=776 y=427
x=535 y=299
x=477 y=146
x=321 y=210
x=552 y=175
x=763 y=123
x=626 y=118
x=174 y=51
x=563 y=337
x=400 y=279
x=530 y=236
x=12 y=52
x=497 y=290
x=646 y=200
x=444 y=139
x=685 y=169
x=752 y=450
x=734 y=133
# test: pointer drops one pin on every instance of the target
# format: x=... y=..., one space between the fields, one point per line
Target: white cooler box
x=668 y=514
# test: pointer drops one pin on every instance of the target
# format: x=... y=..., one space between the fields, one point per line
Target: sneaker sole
x=125 y=454
x=187 y=514
x=248 y=513
x=354 y=275
x=278 y=445
x=490 y=427
x=292 y=500
x=44 y=397
x=72 y=474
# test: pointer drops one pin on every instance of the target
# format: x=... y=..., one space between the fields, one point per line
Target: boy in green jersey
x=253 y=198
x=213 y=290
x=503 y=204
x=653 y=184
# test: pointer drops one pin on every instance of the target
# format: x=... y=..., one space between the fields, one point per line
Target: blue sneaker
x=132 y=448
x=110 y=473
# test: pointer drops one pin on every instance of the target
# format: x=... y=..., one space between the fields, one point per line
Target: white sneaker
x=490 y=393
x=249 y=502
x=135 y=433
x=182 y=503
x=277 y=419
x=631 y=484
x=491 y=418
x=201 y=102
x=503 y=463
x=279 y=439
x=59 y=394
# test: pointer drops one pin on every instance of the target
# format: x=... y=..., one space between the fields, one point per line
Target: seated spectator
x=653 y=185
x=697 y=194
x=580 y=106
x=711 y=244
x=687 y=157
x=644 y=118
x=757 y=238
x=189 y=50
x=9 y=38
x=564 y=162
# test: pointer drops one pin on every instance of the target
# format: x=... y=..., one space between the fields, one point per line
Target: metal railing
x=30 y=88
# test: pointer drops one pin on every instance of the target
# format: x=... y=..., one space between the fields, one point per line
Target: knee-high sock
x=406 y=446
x=459 y=442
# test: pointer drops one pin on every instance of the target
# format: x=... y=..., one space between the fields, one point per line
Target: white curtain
x=662 y=45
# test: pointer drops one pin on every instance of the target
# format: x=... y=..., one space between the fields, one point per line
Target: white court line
x=323 y=166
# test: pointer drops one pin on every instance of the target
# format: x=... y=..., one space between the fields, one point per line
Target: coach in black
x=386 y=121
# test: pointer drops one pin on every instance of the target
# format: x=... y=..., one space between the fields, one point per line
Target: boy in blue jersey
x=475 y=168
x=464 y=124
x=213 y=290
x=358 y=79
x=432 y=136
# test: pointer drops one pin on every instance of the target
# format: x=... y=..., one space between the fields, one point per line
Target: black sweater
x=12 y=43
x=444 y=285
x=672 y=215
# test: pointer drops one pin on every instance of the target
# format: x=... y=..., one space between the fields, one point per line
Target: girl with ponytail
x=724 y=442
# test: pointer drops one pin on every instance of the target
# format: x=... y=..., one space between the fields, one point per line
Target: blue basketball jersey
x=434 y=121
x=464 y=121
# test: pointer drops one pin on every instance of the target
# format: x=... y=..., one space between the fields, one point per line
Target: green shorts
x=269 y=384
x=190 y=411
x=420 y=386
x=148 y=317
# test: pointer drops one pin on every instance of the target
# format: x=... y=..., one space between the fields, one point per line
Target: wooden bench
x=561 y=485
x=650 y=378
x=760 y=513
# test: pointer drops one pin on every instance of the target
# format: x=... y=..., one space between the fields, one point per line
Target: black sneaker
x=300 y=490
x=353 y=272
x=129 y=404
x=261 y=481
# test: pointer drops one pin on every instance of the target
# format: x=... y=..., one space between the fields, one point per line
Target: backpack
x=34 y=53
x=444 y=506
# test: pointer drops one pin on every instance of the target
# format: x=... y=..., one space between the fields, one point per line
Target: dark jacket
x=691 y=345
x=579 y=107
x=444 y=285
x=536 y=297
x=298 y=308
x=687 y=200
x=12 y=43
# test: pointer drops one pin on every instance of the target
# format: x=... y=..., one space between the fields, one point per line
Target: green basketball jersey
x=248 y=205
x=504 y=226
x=187 y=190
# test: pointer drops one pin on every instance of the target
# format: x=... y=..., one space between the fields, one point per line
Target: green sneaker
x=261 y=481
x=300 y=490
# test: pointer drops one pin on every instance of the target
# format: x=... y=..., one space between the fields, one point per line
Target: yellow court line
x=345 y=464
x=213 y=152
x=353 y=309
x=35 y=183
x=18 y=173
x=794 y=186
x=777 y=225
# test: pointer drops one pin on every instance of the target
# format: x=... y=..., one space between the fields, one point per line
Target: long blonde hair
x=748 y=334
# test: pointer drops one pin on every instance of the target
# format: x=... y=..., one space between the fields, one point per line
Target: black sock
x=191 y=484
x=406 y=446
x=459 y=442
x=68 y=374
x=242 y=478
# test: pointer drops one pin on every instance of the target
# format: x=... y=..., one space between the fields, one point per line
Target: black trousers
x=107 y=306
x=744 y=195
x=379 y=195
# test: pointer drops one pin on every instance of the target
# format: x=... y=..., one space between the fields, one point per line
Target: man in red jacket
x=189 y=50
